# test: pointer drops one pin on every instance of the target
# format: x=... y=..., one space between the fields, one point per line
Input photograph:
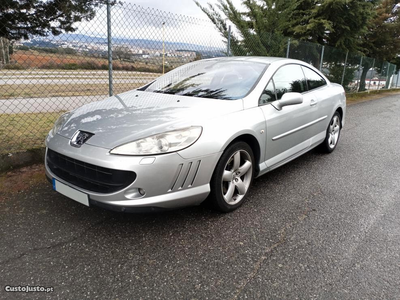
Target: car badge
x=79 y=138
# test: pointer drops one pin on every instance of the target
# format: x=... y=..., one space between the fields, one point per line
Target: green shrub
x=14 y=67
x=71 y=66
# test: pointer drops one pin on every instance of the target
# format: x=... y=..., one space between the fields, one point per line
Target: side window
x=314 y=80
x=289 y=78
x=268 y=94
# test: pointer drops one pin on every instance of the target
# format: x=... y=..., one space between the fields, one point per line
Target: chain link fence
x=43 y=77
x=355 y=72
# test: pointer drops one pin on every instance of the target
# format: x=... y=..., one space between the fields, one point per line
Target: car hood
x=133 y=115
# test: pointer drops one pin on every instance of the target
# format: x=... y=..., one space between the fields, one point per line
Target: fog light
x=135 y=193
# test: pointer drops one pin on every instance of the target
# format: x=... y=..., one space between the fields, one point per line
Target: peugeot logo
x=79 y=138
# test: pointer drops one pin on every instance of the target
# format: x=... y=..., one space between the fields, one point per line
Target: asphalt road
x=320 y=227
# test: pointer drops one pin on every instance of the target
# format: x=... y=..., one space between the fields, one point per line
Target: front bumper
x=169 y=181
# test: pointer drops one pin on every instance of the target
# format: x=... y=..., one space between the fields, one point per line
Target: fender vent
x=185 y=176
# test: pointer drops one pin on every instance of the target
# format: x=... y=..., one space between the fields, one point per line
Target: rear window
x=216 y=79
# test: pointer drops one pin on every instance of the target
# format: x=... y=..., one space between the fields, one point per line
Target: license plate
x=70 y=192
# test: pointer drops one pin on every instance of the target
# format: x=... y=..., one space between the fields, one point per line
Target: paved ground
x=321 y=227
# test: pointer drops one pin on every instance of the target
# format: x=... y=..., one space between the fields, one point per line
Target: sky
x=143 y=19
x=182 y=7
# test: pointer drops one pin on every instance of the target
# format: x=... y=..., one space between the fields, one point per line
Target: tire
x=232 y=177
x=332 y=134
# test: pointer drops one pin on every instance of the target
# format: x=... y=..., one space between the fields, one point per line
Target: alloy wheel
x=334 y=131
x=237 y=177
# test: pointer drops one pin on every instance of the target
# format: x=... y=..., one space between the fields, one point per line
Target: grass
x=11 y=91
x=370 y=95
x=24 y=131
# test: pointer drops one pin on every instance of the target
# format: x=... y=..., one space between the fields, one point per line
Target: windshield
x=217 y=79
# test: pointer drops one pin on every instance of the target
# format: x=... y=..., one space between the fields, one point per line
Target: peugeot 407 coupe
x=203 y=130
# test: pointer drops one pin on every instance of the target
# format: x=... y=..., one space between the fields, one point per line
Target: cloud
x=136 y=21
x=143 y=19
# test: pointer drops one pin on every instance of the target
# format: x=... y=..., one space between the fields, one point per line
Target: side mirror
x=288 y=99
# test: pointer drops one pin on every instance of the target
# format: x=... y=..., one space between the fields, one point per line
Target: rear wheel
x=232 y=177
x=332 y=134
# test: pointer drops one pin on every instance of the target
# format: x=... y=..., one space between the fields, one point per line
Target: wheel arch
x=254 y=145
x=340 y=111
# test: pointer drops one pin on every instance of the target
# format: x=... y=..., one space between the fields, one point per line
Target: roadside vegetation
x=370 y=95
x=29 y=129
x=49 y=59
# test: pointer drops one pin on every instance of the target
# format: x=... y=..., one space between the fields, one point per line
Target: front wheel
x=332 y=134
x=232 y=177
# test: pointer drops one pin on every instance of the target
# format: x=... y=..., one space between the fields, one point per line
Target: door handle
x=313 y=102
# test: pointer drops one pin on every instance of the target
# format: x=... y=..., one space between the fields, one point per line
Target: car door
x=319 y=95
x=288 y=130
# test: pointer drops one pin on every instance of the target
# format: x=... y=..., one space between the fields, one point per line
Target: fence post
x=387 y=75
x=163 y=48
x=373 y=66
x=288 y=48
x=322 y=58
x=344 y=68
x=110 y=67
x=228 y=50
x=360 y=70
x=397 y=80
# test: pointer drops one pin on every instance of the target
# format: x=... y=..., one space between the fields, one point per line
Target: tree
x=4 y=51
x=259 y=27
x=23 y=18
x=382 y=40
x=336 y=23
x=122 y=52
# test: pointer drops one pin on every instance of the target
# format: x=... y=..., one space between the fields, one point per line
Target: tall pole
x=387 y=76
x=110 y=67
x=228 y=46
x=163 y=48
x=360 y=70
x=345 y=64
x=322 y=58
x=3 y=58
x=288 y=48
x=373 y=66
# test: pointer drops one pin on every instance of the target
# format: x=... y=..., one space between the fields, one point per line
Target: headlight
x=161 y=143
x=59 y=123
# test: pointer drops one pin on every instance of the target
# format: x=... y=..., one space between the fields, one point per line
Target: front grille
x=87 y=176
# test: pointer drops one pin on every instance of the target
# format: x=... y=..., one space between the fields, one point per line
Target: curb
x=21 y=159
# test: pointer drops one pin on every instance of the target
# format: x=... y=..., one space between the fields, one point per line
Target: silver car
x=203 y=130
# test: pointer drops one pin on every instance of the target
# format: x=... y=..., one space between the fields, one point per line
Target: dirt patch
x=19 y=180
